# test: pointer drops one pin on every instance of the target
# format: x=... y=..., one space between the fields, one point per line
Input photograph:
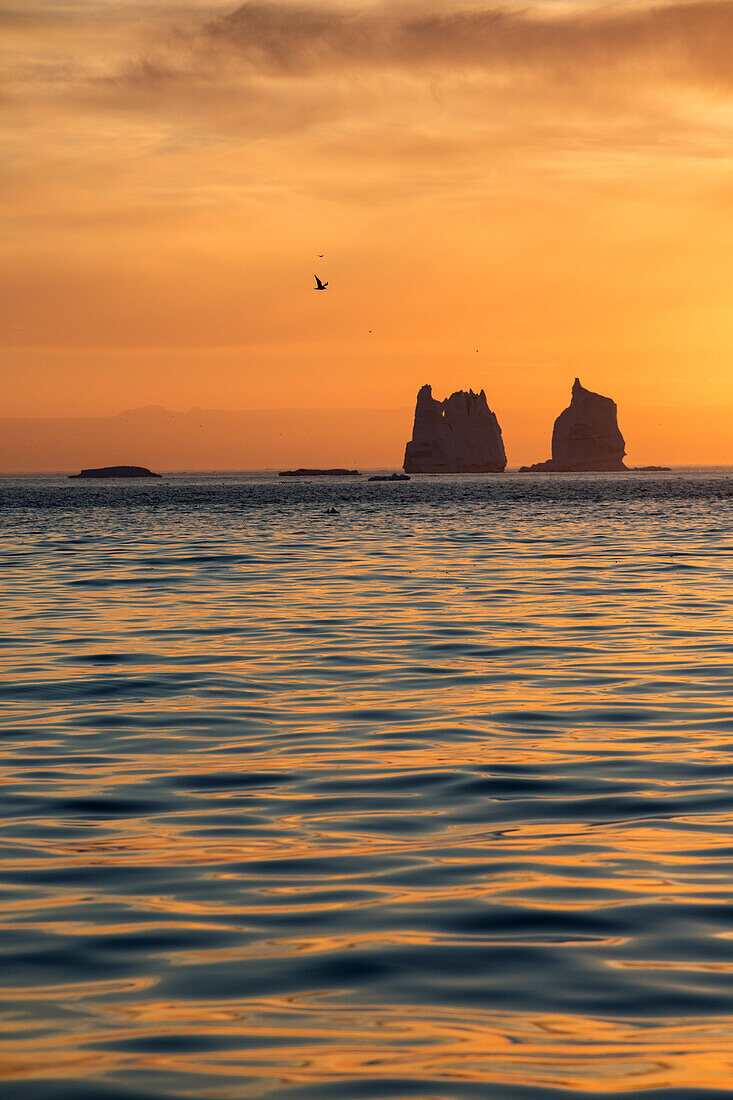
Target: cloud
x=274 y=46
x=270 y=67
x=589 y=78
x=690 y=41
x=388 y=100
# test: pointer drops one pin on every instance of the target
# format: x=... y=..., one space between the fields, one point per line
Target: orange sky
x=548 y=183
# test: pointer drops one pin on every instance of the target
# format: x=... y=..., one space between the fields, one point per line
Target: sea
x=430 y=797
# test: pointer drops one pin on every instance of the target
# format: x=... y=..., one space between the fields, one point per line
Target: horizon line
x=378 y=469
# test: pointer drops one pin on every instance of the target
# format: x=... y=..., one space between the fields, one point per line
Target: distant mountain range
x=206 y=439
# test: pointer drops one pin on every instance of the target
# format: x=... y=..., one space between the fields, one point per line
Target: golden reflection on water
x=393 y=800
x=553 y=1051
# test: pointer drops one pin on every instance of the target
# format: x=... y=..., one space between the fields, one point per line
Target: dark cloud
x=687 y=40
x=621 y=78
x=447 y=91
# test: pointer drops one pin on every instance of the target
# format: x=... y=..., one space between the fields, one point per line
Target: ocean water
x=432 y=798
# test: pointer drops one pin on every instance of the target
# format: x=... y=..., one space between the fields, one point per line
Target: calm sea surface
x=432 y=798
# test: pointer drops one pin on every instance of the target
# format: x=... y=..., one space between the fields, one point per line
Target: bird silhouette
x=319 y=285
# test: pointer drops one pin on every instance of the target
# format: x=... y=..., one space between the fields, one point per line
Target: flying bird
x=319 y=285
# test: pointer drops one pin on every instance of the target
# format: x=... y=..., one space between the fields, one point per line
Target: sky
x=504 y=195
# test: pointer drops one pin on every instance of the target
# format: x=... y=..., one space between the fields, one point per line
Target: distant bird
x=320 y=255
x=319 y=285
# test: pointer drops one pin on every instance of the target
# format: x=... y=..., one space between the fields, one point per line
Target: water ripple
x=431 y=799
